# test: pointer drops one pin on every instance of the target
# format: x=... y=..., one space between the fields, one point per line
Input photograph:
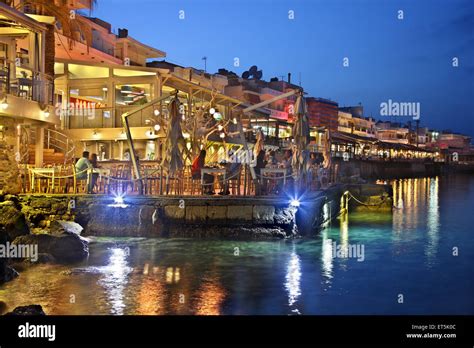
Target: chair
x=233 y=184
x=174 y=183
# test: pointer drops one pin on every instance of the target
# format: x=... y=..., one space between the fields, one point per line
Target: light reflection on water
x=293 y=278
x=408 y=251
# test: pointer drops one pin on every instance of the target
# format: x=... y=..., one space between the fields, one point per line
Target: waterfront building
x=392 y=132
x=454 y=147
x=26 y=93
x=322 y=113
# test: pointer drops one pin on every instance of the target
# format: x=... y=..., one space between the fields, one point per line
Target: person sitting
x=196 y=167
x=260 y=162
x=272 y=161
x=82 y=169
x=94 y=161
x=287 y=162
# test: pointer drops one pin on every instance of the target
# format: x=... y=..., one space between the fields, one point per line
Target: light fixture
x=156 y=112
x=4 y=104
x=244 y=129
x=234 y=120
x=222 y=135
x=147 y=121
x=220 y=127
x=295 y=203
x=186 y=135
x=119 y=201
x=46 y=113
x=157 y=127
x=217 y=116
x=105 y=89
x=212 y=111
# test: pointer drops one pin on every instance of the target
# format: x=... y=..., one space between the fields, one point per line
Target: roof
x=20 y=17
x=343 y=136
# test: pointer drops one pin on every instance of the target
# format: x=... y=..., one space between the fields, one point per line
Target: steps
x=50 y=156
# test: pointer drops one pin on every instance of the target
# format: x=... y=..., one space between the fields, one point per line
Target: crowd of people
x=272 y=184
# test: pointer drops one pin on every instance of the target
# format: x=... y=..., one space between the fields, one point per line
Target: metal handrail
x=67 y=146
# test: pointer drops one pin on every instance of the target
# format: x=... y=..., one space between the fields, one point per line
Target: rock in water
x=70 y=248
x=28 y=310
x=60 y=228
x=13 y=220
x=66 y=249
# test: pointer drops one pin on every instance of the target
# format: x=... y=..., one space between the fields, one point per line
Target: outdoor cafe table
x=268 y=171
x=213 y=171
x=42 y=172
x=101 y=171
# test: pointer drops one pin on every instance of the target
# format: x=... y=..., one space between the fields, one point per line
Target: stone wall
x=9 y=174
x=196 y=217
x=165 y=217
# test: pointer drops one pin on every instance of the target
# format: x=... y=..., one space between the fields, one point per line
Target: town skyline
x=405 y=60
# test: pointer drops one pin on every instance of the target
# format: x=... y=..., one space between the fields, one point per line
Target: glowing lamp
x=156 y=112
x=157 y=127
x=295 y=203
x=222 y=135
x=212 y=111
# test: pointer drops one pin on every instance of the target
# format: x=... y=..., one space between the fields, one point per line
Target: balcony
x=26 y=83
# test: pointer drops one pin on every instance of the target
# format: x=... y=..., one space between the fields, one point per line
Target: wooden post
x=39 y=146
x=133 y=158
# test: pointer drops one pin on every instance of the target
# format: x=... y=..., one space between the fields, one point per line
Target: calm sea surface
x=408 y=252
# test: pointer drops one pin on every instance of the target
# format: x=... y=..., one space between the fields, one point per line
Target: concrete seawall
x=186 y=216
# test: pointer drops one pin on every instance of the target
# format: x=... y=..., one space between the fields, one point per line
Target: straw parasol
x=301 y=137
x=173 y=160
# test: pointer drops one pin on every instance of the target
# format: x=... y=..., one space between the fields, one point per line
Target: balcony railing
x=30 y=85
x=111 y=117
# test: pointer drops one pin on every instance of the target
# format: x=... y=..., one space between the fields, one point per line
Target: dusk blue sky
x=407 y=60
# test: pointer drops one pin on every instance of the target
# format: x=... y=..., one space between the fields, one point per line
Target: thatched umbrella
x=173 y=160
x=301 y=137
x=259 y=143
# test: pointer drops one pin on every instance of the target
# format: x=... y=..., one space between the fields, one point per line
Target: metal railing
x=56 y=140
x=31 y=85
x=111 y=117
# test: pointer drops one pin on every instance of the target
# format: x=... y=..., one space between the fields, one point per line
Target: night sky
x=408 y=60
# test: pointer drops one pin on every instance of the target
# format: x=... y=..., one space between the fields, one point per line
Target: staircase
x=50 y=156
x=58 y=148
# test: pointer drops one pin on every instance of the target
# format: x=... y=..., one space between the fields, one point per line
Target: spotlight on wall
x=222 y=135
x=156 y=112
x=212 y=111
x=4 y=104
x=157 y=127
